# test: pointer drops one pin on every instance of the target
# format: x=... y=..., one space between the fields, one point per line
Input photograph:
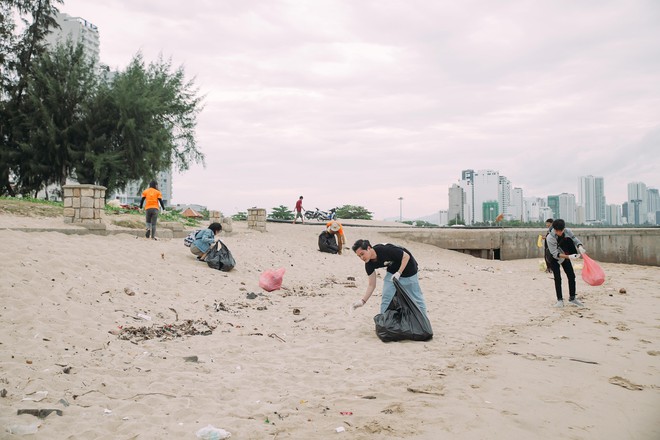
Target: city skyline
x=329 y=101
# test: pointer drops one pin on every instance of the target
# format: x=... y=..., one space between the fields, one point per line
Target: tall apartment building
x=516 y=205
x=504 y=197
x=455 y=211
x=79 y=31
x=591 y=196
x=563 y=206
x=653 y=205
x=637 y=203
x=613 y=215
x=485 y=189
x=535 y=209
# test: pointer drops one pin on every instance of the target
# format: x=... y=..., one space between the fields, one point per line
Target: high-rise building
x=637 y=203
x=485 y=189
x=79 y=31
x=653 y=205
x=591 y=196
x=614 y=217
x=563 y=206
x=516 y=205
x=504 y=197
x=456 y=204
x=489 y=211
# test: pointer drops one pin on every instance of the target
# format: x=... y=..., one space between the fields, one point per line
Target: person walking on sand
x=400 y=264
x=154 y=198
x=299 y=211
x=548 y=263
x=562 y=247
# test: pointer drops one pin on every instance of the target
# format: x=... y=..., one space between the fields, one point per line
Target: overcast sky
x=362 y=102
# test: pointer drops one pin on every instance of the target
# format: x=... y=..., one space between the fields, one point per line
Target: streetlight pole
x=400 y=209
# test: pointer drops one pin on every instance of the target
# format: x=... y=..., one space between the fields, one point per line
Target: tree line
x=63 y=116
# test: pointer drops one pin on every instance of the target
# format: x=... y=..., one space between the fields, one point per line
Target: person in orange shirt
x=335 y=228
x=153 y=197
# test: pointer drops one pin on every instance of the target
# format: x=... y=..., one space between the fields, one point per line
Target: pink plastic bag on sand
x=592 y=273
x=271 y=279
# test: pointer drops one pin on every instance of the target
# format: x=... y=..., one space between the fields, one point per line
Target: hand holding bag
x=219 y=257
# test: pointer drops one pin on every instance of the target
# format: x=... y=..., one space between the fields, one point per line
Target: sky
x=364 y=102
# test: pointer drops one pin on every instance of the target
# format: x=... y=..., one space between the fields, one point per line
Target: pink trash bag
x=271 y=279
x=592 y=273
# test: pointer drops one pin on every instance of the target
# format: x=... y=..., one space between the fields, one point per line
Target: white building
x=591 y=196
x=504 y=197
x=79 y=31
x=637 y=203
x=516 y=205
x=485 y=189
x=132 y=194
x=614 y=217
x=456 y=203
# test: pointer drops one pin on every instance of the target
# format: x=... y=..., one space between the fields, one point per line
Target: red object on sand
x=592 y=273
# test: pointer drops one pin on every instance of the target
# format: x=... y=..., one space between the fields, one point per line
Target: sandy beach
x=299 y=363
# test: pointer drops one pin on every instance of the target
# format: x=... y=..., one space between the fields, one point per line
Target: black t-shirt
x=389 y=256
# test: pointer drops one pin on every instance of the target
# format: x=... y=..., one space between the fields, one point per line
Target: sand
x=298 y=363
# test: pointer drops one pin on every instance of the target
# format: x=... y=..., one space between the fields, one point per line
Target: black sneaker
x=148 y=234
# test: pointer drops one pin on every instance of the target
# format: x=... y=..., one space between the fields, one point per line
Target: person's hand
x=582 y=250
x=358 y=304
x=396 y=276
x=574 y=256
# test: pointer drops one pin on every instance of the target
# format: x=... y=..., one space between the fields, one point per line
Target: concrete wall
x=628 y=246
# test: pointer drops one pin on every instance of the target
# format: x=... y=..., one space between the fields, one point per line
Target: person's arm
x=142 y=201
x=404 y=262
x=370 y=288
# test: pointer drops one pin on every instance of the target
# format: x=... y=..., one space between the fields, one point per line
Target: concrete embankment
x=628 y=246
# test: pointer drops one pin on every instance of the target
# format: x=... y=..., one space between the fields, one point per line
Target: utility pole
x=400 y=209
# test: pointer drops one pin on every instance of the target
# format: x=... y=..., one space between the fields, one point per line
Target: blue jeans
x=411 y=284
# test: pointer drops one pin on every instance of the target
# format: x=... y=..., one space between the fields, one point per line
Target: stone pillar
x=83 y=204
x=217 y=217
x=257 y=219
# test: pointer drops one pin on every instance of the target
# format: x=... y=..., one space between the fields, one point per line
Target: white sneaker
x=560 y=303
x=576 y=302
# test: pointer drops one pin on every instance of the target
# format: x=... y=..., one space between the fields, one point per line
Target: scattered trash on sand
x=188 y=327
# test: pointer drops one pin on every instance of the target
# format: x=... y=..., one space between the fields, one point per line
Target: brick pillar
x=257 y=219
x=83 y=204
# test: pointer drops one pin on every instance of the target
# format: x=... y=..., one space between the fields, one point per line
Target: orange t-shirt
x=341 y=228
x=151 y=196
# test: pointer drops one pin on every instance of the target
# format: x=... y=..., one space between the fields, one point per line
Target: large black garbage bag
x=403 y=319
x=219 y=257
x=328 y=243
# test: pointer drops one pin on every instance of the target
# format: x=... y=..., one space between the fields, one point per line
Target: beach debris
x=271 y=279
x=32 y=428
x=66 y=370
x=251 y=295
x=28 y=361
x=40 y=413
x=187 y=327
x=350 y=278
x=36 y=396
x=346 y=413
x=210 y=432
x=3 y=392
x=191 y=359
x=162 y=256
x=64 y=402
x=625 y=383
x=419 y=391
x=274 y=335
x=107 y=412
x=143 y=316
x=218 y=306
x=176 y=314
x=622 y=290
x=340 y=429
x=532 y=356
x=296 y=311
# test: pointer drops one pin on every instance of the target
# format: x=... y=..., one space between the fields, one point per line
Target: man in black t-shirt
x=400 y=264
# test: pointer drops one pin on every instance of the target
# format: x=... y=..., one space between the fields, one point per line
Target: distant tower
x=591 y=196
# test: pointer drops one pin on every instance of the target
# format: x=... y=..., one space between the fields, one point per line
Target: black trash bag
x=328 y=243
x=403 y=319
x=219 y=257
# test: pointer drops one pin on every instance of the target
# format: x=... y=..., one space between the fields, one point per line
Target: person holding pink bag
x=562 y=247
